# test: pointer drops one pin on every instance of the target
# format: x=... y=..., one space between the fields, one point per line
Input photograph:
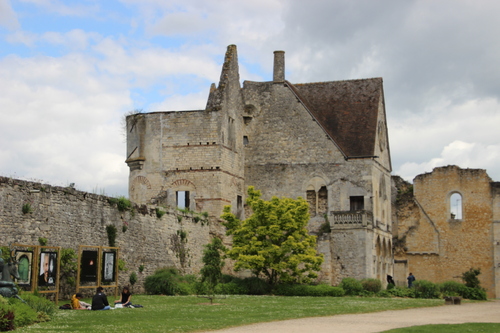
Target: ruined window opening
x=231 y=132
x=456 y=206
x=239 y=206
x=182 y=199
x=245 y=140
x=311 y=199
x=357 y=203
x=322 y=200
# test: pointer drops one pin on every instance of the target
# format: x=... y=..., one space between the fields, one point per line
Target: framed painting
x=24 y=267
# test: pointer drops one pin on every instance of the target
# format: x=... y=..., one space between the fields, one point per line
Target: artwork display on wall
x=88 y=271
x=24 y=267
x=108 y=267
x=48 y=269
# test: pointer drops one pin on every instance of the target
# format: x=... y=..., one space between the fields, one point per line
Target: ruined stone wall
x=438 y=247
x=68 y=218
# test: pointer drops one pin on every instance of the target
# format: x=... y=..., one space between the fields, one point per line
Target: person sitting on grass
x=100 y=301
x=125 y=298
x=77 y=304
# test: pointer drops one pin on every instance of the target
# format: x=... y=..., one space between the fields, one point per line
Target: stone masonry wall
x=439 y=247
x=68 y=218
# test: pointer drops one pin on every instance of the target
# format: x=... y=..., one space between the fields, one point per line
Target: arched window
x=317 y=197
x=456 y=206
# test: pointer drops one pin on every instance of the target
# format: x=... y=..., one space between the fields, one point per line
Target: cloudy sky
x=70 y=70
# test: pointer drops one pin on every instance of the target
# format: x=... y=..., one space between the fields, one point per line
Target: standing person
x=100 y=301
x=410 y=279
x=125 y=298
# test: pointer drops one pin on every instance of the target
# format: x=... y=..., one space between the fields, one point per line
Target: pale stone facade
x=326 y=142
x=446 y=224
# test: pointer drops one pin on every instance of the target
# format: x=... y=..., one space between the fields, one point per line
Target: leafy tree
x=273 y=242
x=211 y=272
x=68 y=271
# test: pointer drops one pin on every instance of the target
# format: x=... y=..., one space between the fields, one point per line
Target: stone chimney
x=279 y=66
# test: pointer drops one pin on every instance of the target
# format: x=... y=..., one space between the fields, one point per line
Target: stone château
x=324 y=141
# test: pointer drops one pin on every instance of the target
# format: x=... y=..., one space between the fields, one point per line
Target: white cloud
x=8 y=17
x=59 y=7
x=463 y=154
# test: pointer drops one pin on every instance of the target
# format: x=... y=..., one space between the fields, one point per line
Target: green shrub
x=402 y=292
x=255 y=286
x=6 y=318
x=474 y=293
x=230 y=288
x=290 y=290
x=470 y=278
x=123 y=204
x=185 y=288
x=452 y=288
x=226 y=278
x=165 y=281
x=24 y=315
x=40 y=304
x=385 y=293
x=372 y=285
x=351 y=286
x=390 y=286
x=425 y=289
x=323 y=290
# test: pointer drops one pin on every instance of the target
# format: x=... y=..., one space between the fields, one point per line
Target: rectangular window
x=357 y=203
x=182 y=198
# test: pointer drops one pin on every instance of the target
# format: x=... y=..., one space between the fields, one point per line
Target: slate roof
x=347 y=111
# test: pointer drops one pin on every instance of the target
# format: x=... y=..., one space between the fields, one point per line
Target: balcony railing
x=346 y=219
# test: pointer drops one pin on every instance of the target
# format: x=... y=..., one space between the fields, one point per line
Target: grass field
x=191 y=314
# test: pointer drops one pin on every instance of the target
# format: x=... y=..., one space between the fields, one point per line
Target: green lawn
x=455 y=328
x=191 y=314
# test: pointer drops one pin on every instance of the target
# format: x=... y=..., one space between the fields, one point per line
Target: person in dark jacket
x=100 y=301
x=411 y=279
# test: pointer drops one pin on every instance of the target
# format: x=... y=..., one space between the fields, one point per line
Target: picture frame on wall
x=88 y=272
x=24 y=267
x=108 y=267
x=48 y=269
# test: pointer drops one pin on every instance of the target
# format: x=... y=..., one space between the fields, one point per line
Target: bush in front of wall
x=43 y=241
x=371 y=285
x=165 y=281
x=425 y=289
x=351 y=286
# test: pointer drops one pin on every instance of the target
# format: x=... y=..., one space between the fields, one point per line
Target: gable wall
x=460 y=244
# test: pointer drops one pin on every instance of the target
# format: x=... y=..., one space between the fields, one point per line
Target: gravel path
x=483 y=312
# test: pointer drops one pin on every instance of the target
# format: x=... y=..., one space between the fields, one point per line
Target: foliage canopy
x=273 y=242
